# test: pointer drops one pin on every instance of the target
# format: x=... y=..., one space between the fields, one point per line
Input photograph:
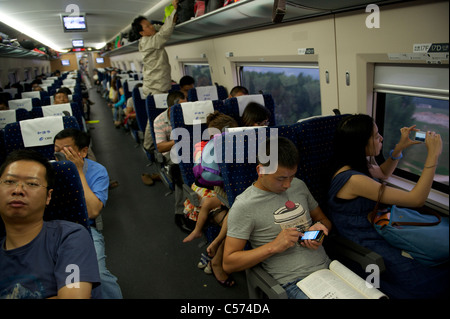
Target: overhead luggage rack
x=18 y=52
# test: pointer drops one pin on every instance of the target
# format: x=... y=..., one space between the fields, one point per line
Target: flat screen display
x=100 y=60
x=74 y=23
x=78 y=43
x=65 y=62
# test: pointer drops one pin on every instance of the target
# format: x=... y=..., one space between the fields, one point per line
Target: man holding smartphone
x=251 y=218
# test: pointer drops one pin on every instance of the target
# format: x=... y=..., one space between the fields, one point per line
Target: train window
x=408 y=95
x=200 y=72
x=294 y=88
x=12 y=77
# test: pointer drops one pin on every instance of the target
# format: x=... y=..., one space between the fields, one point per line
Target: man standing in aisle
x=157 y=80
x=157 y=72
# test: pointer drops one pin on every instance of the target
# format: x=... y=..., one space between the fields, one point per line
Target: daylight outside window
x=428 y=115
x=294 y=89
x=200 y=73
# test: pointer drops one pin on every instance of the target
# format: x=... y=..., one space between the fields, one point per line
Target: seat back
x=14 y=138
x=27 y=103
x=192 y=134
x=316 y=138
x=193 y=94
x=67 y=202
x=152 y=111
x=11 y=116
x=128 y=87
x=37 y=112
x=139 y=107
x=239 y=171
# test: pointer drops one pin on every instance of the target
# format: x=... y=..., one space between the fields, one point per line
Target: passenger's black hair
x=33 y=156
x=64 y=90
x=136 y=27
x=288 y=155
x=173 y=97
x=238 y=89
x=81 y=139
x=186 y=80
x=254 y=113
x=350 y=141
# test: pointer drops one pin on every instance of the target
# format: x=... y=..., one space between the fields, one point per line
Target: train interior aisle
x=143 y=245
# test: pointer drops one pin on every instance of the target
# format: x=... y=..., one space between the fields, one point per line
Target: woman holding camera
x=354 y=191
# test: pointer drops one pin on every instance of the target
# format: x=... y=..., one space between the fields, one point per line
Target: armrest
x=158 y=157
x=191 y=195
x=258 y=280
x=353 y=251
x=166 y=178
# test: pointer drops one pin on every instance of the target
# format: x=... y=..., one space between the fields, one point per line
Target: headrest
x=243 y=101
x=56 y=109
x=40 y=131
x=31 y=95
x=160 y=100
x=52 y=98
x=26 y=104
x=243 y=128
x=196 y=111
x=69 y=82
x=207 y=93
x=6 y=117
x=132 y=84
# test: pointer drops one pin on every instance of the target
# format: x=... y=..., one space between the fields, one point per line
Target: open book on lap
x=338 y=282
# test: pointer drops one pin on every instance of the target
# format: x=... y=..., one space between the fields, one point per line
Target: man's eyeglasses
x=9 y=183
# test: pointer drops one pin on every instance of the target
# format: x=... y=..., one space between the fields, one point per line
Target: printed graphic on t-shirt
x=292 y=215
x=21 y=287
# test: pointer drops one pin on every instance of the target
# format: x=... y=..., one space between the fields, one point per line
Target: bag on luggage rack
x=185 y=10
x=199 y=8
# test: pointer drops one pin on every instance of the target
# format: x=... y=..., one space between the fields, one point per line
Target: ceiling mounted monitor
x=73 y=23
x=65 y=62
x=78 y=43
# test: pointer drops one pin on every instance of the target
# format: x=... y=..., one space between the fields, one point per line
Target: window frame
x=239 y=67
x=192 y=63
x=439 y=194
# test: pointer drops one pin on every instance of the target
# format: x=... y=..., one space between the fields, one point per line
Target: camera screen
x=310 y=234
x=420 y=136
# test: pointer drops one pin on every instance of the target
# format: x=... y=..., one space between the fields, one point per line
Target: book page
x=324 y=284
x=357 y=282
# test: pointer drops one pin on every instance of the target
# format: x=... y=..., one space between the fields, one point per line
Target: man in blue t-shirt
x=54 y=259
x=74 y=144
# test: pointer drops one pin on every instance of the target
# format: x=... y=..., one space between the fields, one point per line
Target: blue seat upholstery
x=14 y=141
x=76 y=112
x=152 y=113
x=22 y=114
x=67 y=202
x=140 y=108
x=316 y=138
x=177 y=121
x=240 y=174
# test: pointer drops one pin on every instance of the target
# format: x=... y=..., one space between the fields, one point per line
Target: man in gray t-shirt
x=272 y=214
